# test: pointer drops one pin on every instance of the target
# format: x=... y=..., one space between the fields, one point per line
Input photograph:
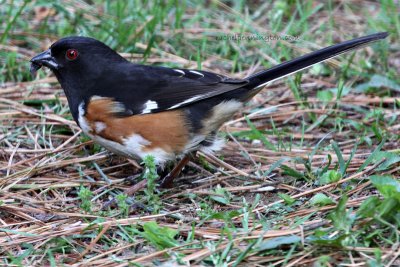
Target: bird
x=137 y=110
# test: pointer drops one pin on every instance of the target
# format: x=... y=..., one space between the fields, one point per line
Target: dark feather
x=310 y=59
x=168 y=88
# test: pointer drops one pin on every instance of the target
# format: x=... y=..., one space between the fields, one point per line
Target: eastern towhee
x=136 y=110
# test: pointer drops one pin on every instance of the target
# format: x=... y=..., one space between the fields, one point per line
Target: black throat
x=76 y=91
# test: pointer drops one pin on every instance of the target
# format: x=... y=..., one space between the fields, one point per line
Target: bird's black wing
x=150 y=89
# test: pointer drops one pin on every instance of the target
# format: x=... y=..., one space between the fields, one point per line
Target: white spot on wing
x=180 y=72
x=149 y=106
x=197 y=73
x=192 y=99
x=82 y=120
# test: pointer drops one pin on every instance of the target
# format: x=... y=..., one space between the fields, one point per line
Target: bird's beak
x=43 y=59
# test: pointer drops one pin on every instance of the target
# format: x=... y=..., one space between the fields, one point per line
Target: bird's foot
x=165 y=182
x=168 y=180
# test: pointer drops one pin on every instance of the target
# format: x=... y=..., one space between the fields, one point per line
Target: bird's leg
x=129 y=192
x=167 y=181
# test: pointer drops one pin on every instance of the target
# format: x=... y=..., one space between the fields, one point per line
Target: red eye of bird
x=71 y=54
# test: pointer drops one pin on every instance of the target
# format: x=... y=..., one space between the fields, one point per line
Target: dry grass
x=45 y=161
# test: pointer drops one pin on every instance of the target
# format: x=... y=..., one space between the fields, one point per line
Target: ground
x=309 y=174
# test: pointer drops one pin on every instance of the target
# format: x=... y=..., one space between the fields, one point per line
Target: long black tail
x=263 y=77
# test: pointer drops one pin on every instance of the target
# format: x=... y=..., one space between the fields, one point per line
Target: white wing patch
x=183 y=73
x=192 y=99
x=180 y=72
x=149 y=106
x=197 y=73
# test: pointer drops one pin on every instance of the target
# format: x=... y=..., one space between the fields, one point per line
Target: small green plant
x=221 y=195
x=122 y=204
x=151 y=175
x=85 y=196
x=287 y=198
x=321 y=199
x=161 y=237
